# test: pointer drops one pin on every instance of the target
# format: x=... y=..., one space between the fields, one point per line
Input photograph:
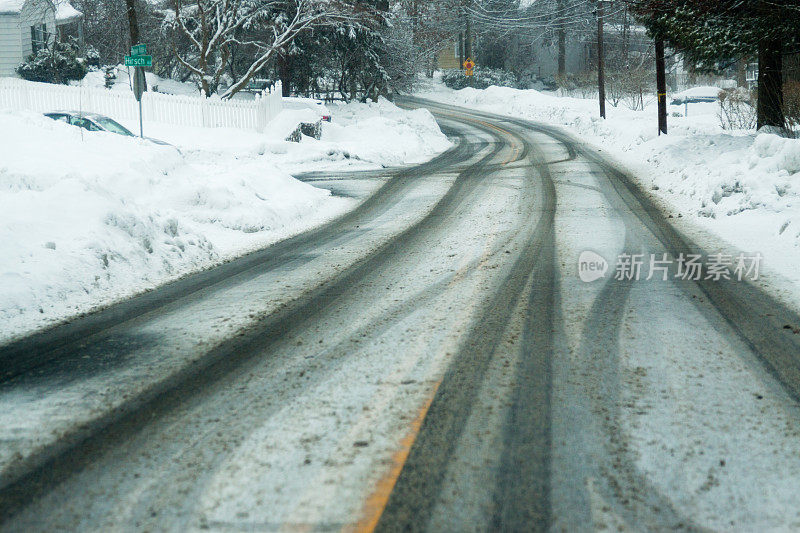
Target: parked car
x=297 y=102
x=696 y=95
x=257 y=86
x=96 y=122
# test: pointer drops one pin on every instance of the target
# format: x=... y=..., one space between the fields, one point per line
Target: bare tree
x=432 y=26
x=212 y=27
x=532 y=25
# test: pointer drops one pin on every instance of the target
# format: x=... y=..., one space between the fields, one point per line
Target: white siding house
x=26 y=25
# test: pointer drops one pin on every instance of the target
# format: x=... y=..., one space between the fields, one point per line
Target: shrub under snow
x=59 y=64
x=483 y=77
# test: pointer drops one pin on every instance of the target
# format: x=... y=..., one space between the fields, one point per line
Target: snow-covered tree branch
x=265 y=27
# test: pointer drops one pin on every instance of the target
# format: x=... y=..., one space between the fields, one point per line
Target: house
x=544 y=57
x=450 y=56
x=625 y=46
x=29 y=25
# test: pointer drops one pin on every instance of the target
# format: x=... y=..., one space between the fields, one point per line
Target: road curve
x=429 y=361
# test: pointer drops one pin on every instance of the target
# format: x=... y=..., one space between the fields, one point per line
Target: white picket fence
x=156 y=107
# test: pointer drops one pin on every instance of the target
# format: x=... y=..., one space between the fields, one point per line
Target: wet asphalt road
x=431 y=362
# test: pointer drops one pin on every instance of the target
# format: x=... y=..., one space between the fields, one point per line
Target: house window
x=752 y=72
x=39 y=37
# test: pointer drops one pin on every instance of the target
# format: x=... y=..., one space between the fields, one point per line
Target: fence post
x=262 y=101
x=25 y=95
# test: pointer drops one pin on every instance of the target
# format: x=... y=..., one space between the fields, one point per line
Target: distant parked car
x=96 y=122
x=257 y=86
x=697 y=95
x=296 y=102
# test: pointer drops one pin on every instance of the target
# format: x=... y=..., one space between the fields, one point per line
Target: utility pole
x=461 y=56
x=661 y=87
x=468 y=47
x=601 y=62
x=465 y=5
x=468 y=38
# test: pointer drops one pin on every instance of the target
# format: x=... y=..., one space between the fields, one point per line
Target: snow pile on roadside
x=93 y=217
x=382 y=133
x=737 y=184
x=90 y=217
x=746 y=175
x=744 y=188
x=625 y=129
x=360 y=136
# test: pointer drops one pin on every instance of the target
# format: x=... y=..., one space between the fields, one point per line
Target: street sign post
x=139 y=85
x=138 y=61
x=469 y=66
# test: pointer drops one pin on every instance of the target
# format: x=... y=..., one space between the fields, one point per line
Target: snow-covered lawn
x=90 y=218
x=739 y=185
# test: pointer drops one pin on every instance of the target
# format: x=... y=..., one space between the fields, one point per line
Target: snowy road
x=429 y=361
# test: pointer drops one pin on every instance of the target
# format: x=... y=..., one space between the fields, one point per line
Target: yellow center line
x=515 y=148
x=377 y=501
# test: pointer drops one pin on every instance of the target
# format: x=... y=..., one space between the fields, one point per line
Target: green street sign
x=139 y=50
x=138 y=61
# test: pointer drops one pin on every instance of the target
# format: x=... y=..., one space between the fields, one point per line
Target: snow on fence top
x=177 y=110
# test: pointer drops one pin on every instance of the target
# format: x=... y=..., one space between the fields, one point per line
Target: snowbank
x=384 y=134
x=360 y=136
x=737 y=184
x=89 y=218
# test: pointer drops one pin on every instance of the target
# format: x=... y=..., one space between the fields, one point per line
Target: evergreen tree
x=713 y=33
x=347 y=56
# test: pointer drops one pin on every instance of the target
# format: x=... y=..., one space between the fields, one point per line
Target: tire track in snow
x=422 y=478
x=79 y=450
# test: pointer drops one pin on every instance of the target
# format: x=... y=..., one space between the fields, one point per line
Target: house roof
x=64 y=10
x=11 y=6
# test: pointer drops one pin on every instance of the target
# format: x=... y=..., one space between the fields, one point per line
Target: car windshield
x=85 y=123
x=113 y=126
